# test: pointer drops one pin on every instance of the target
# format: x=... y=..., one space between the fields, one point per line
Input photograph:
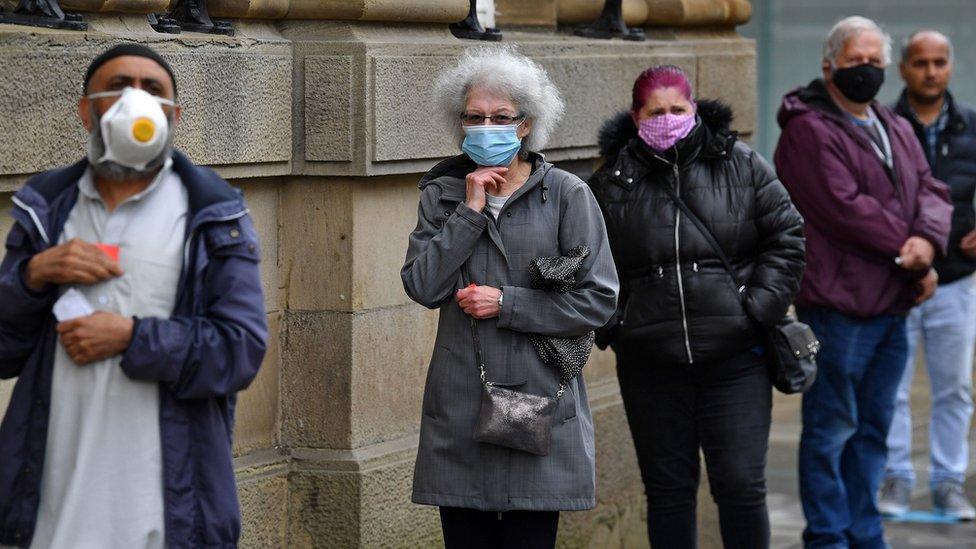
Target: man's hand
x=96 y=337
x=75 y=262
x=480 y=302
x=926 y=287
x=916 y=254
x=483 y=180
x=968 y=244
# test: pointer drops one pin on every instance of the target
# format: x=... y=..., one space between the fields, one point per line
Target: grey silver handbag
x=510 y=418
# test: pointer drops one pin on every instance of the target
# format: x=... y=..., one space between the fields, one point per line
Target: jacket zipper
x=677 y=255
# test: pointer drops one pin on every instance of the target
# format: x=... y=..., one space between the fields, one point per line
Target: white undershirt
x=102 y=484
x=494 y=204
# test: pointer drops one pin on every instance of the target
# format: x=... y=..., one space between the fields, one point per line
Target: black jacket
x=678 y=304
x=955 y=164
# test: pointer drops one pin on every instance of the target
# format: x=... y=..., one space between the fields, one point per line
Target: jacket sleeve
x=933 y=213
x=22 y=311
x=814 y=169
x=215 y=354
x=437 y=250
x=594 y=300
x=606 y=334
x=779 y=266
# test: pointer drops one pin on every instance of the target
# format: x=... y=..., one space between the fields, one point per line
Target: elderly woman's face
x=664 y=101
x=486 y=103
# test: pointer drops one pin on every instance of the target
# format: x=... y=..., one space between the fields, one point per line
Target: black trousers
x=473 y=529
x=724 y=409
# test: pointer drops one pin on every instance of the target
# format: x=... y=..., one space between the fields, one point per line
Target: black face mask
x=861 y=83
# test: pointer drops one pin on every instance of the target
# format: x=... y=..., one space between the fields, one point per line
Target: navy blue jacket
x=210 y=348
x=955 y=164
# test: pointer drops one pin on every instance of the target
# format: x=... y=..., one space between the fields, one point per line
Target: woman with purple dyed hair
x=676 y=189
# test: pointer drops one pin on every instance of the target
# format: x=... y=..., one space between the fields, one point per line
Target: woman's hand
x=480 y=302
x=484 y=179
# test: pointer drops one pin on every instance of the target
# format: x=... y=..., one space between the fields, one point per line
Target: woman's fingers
x=491 y=169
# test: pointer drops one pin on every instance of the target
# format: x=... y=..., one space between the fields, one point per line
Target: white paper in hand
x=72 y=305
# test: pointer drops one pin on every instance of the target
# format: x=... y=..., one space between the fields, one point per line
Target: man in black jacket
x=946 y=324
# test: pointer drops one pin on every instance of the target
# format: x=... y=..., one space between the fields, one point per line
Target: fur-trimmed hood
x=617 y=132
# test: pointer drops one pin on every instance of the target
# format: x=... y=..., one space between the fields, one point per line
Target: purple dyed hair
x=654 y=78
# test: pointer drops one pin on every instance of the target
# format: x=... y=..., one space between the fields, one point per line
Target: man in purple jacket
x=875 y=220
x=131 y=315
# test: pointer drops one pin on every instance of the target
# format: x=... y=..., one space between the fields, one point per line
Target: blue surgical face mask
x=491 y=145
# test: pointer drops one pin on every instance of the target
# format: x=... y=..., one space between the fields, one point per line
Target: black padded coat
x=955 y=164
x=678 y=304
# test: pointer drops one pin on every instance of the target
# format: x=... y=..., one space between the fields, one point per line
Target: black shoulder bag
x=791 y=346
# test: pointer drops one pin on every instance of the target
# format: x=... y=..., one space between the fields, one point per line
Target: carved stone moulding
x=413 y=11
x=661 y=13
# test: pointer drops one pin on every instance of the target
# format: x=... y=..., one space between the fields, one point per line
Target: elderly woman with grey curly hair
x=485 y=217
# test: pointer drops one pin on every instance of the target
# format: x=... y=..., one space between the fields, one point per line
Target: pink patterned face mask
x=661 y=132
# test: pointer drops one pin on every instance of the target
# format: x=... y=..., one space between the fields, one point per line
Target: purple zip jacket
x=858 y=212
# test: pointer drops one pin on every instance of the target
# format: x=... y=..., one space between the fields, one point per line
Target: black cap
x=137 y=50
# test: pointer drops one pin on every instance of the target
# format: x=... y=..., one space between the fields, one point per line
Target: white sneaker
x=950 y=500
x=895 y=497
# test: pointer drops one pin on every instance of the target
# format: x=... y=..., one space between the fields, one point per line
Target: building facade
x=314 y=108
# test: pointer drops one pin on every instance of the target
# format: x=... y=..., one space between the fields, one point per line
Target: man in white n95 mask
x=132 y=314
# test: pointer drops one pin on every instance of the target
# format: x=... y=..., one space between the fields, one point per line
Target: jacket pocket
x=235 y=238
x=651 y=298
x=445 y=208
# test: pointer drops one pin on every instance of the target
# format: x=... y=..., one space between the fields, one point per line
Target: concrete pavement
x=786 y=514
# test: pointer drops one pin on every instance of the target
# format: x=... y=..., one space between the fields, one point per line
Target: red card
x=110 y=250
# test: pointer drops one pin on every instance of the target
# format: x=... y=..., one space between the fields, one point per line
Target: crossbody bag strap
x=479 y=357
x=465 y=280
x=740 y=287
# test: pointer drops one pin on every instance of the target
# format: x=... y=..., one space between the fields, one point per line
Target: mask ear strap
x=99 y=95
x=118 y=93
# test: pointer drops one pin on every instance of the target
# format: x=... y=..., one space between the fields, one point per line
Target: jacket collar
x=956 y=124
x=816 y=98
x=449 y=175
x=53 y=192
x=711 y=138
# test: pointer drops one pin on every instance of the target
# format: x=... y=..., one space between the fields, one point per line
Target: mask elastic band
x=118 y=93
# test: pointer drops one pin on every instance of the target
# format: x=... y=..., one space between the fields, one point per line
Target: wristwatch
x=501 y=296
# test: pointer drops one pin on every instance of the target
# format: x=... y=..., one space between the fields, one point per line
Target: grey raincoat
x=550 y=214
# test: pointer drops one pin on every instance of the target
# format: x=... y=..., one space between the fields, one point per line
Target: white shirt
x=494 y=204
x=102 y=485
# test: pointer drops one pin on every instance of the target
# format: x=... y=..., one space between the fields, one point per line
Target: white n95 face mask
x=134 y=130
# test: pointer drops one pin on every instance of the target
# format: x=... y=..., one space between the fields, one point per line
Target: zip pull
x=945 y=149
x=545 y=193
x=694 y=267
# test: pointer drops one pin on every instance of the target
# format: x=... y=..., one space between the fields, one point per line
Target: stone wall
x=318 y=123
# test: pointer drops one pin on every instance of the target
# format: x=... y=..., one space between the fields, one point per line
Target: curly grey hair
x=848 y=28
x=502 y=70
